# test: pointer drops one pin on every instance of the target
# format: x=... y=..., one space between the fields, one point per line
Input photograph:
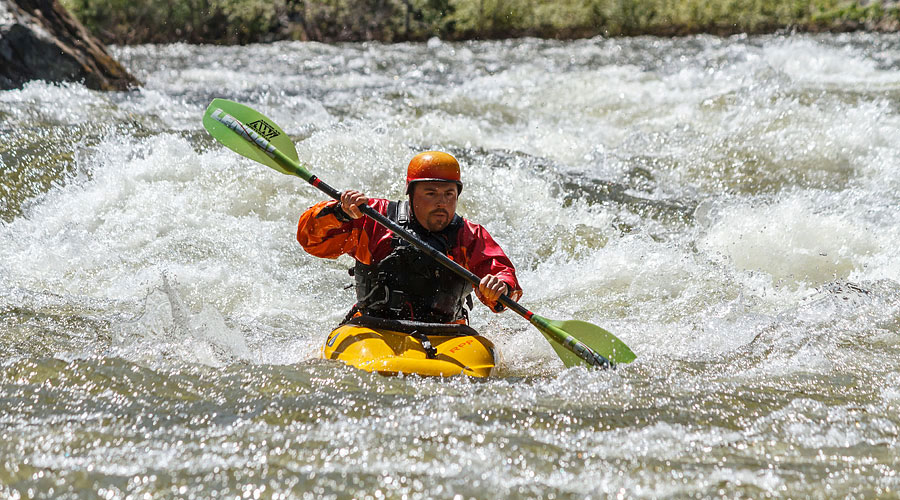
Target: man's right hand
x=350 y=202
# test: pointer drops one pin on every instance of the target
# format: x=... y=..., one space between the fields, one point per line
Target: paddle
x=254 y=136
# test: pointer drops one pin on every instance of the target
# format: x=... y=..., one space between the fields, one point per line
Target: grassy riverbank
x=244 y=21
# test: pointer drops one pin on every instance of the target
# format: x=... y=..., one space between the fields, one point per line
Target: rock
x=40 y=40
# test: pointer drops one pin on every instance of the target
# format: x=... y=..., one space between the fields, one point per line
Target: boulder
x=40 y=40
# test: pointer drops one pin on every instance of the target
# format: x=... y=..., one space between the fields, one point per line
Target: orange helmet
x=433 y=166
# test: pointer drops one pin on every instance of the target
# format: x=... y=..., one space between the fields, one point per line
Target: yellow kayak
x=392 y=347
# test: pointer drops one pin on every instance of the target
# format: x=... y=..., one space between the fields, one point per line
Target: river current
x=729 y=208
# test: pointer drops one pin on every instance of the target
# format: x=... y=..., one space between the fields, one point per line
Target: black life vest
x=409 y=285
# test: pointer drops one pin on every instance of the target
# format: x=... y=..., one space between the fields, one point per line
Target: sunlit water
x=728 y=207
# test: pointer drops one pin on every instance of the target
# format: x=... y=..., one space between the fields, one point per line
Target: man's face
x=434 y=204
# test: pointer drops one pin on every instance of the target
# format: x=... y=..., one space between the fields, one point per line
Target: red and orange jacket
x=324 y=235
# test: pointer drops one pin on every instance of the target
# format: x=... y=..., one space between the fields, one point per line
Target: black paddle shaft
x=420 y=245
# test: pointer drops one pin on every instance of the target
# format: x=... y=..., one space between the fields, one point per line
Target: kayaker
x=393 y=279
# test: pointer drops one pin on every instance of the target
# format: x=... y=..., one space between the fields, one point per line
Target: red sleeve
x=322 y=234
x=479 y=253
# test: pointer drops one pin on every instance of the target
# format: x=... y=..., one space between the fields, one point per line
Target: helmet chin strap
x=412 y=208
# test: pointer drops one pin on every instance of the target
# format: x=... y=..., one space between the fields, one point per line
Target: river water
x=730 y=208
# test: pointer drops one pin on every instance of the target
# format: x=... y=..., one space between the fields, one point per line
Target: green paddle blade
x=597 y=339
x=251 y=122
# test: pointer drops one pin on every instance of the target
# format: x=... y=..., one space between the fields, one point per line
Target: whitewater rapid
x=726 y=207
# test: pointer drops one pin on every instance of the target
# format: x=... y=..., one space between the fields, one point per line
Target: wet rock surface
x=40 y=40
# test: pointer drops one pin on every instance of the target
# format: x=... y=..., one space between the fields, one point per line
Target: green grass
x=196 y=21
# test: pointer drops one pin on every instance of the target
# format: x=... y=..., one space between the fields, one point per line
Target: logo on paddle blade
x=264 y=129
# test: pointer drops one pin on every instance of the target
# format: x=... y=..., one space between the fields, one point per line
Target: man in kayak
x=393 y=279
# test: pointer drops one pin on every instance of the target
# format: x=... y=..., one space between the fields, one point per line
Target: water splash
x=167 y=328
x=728 y=207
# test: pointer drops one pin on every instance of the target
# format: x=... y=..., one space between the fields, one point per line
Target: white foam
x=795 y=240
x=796 y=180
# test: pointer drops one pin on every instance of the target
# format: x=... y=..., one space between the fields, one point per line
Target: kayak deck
x=392 y=352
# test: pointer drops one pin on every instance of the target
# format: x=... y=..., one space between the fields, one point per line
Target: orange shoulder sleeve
x=322 y=234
